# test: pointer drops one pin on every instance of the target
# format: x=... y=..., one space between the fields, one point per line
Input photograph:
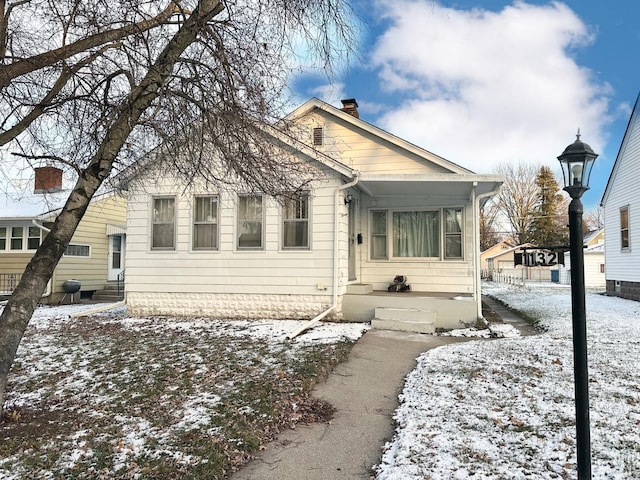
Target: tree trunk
x=22 y=303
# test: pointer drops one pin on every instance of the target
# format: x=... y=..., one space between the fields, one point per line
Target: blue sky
x=484 y=82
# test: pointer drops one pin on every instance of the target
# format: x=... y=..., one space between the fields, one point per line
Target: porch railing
x=8 y=282
x=120 y=280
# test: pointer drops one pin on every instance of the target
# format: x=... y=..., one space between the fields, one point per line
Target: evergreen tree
x=548 y=227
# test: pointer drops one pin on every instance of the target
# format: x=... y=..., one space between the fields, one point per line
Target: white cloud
x=482 y=88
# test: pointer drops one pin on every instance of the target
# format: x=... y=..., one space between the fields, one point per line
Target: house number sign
x=540 y=258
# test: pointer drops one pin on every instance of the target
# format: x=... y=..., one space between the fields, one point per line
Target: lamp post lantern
x=577 y=161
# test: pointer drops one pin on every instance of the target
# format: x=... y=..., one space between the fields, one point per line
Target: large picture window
x=416 y=234
x=250 y=221
x=295 y=223
x=163 y=223
x=205 y=223
x=624 y=228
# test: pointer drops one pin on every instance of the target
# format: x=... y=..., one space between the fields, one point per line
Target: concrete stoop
x=405 y=320
x=108 y=294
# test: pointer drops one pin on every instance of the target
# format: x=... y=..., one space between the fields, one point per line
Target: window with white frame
x=76 y=250
x=17 y=238
x=453 y=233
x=624 y=227
x=416 y=234
x=295 y=223
x=379 y=235
x=250 y=218
x=163 y=221
x=205 y=223
x=33 y=238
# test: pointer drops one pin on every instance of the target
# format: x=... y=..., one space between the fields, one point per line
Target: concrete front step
x=405 y=319
x=102 y=296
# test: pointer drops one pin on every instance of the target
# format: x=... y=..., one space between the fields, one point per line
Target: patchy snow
x=505 y=408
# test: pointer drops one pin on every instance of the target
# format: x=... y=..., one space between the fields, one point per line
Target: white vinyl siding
x=163 y=223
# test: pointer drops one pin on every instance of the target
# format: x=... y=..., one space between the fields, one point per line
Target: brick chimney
x=350 y=106
x=48 y=180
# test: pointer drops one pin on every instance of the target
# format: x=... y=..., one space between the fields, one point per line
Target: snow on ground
x=505 y=409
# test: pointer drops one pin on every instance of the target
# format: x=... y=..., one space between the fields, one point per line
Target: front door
x=116 y=256
x=352 y=240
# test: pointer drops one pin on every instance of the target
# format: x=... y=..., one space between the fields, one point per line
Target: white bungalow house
x=382 y=208
x=621 y=204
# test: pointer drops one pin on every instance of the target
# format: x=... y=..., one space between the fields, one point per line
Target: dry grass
x=97 y=397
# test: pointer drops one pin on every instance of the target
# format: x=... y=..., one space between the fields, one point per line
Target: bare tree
x=518 y=198
x=94 y=85
x=594 y=218
x=489 y=234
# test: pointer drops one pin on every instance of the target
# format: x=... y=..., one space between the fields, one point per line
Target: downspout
x=47 y=291
x=336 y=237
x=476 y=256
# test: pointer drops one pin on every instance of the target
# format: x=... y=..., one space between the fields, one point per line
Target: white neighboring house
x=383 y=207
x=621 y=204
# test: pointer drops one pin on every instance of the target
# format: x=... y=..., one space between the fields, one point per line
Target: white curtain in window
x=416 y=234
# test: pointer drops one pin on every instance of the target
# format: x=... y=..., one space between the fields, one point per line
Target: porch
x=413 y=311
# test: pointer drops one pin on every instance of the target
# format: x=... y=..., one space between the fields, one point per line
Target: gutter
x=102 y=308
x=47 y=291
x=336 y=237
x=476 y=255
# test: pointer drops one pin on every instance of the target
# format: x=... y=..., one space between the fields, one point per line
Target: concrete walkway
x=364 y=390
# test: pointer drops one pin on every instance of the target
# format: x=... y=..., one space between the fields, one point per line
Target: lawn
x=106 y=396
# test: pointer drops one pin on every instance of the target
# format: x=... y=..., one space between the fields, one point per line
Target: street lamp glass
x=577 y=161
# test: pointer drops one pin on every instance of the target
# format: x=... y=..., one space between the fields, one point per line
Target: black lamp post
x=577 y=161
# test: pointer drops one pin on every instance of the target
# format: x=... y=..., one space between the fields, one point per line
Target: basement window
x=75 y=250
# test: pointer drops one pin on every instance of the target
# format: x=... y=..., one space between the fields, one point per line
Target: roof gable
x=631 y=135
x=376 y=147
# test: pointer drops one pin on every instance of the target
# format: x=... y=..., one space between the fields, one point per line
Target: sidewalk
x=364 y=390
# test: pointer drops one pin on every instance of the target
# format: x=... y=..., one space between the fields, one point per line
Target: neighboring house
x=621 y=204
x=381 y=207
x=491 y=252
x=95 y=254
x=594 y=262
x=501 y=266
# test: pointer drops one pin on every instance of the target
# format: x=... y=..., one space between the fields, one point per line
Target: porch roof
x=429 y=186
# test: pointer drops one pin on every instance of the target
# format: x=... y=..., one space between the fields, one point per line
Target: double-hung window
x=205 y=223
x=295 y=223
x=3 y=238
x=250 y=222
x=33 y=238
x=17 y=238
x=379 y=235
x=624 y=228
x=453 y=233
x=163 y=221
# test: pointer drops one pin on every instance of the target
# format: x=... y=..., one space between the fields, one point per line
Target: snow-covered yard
x=108 y=396
x=504 y=409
